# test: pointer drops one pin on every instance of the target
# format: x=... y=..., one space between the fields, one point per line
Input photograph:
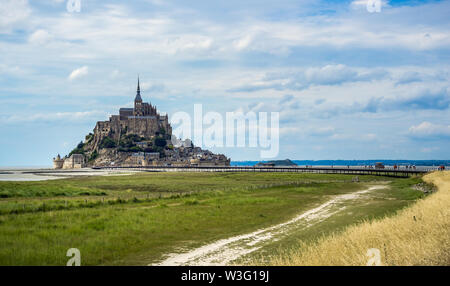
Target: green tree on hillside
x=107 y=143
x=160 y=142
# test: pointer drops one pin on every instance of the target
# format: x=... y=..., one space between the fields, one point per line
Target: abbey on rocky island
x=143 y=121
x=138 y=136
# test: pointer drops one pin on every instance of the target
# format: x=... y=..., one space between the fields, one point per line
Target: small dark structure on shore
x=277 y=163
x=379 y=165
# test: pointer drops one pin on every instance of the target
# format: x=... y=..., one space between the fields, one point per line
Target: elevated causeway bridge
x=320 y=170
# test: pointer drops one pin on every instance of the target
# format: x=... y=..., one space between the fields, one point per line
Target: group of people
x=396 y=167
x=407 y=167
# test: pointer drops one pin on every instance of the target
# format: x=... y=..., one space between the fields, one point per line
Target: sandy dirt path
x=224 y=251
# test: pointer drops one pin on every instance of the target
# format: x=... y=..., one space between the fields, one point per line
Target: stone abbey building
x=143 y=120
x=137 y=136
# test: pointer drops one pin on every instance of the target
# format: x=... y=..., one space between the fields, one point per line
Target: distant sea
x=354 y=162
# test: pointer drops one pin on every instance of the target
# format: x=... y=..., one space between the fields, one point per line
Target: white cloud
x=323 y=131
x=303 y=78
x=96 y=34
x=290 y=130
x=39 y=37
x=429 y=130
x=152 y=87
x=429 y=149
x=243 y=43
x=369 y=136
x=12 y=12
x=339 y=136
x=116 y=74
x=335 y=74
x=327 y=61
x=77 y=73
x=56 y=116
x=362 y=4
x=354 y=137
x=11 y=70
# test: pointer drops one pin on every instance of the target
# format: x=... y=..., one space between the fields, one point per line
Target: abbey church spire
x=138 y=93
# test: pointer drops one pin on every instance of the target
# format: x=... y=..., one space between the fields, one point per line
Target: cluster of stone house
x=75 y=161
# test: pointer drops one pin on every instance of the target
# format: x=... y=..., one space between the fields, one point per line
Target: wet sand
x=51 y=174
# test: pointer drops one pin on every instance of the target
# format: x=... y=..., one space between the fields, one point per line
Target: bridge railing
x=325 y=170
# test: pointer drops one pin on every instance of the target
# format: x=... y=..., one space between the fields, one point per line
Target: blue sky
x=348 y=84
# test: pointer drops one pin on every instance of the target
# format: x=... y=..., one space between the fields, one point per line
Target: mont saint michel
x=137 y=136
x=224 y=133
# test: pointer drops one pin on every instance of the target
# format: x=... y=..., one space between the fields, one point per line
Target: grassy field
x=417 y=235
x=135 y=219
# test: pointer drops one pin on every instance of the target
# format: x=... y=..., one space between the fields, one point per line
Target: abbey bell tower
x=138 y=108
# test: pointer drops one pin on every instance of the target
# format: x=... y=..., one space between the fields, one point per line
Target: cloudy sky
x=347 y=83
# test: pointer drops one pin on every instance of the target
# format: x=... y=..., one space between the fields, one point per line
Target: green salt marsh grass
x=136 y=219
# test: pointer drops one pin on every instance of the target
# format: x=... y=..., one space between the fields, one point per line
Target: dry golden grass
x=417 y=235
